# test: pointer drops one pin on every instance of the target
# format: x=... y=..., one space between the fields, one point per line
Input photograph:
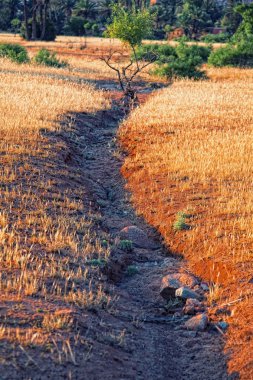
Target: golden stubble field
x=46 y=235
x=82 y=55
x=189 y=164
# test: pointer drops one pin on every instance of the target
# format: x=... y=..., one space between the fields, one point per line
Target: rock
x=177 y=314
x=174 y=281
x=186 y=293
x=223 y=325
x=191 y=334
x=193 y=306
x=116 y=265
x=138 y=237
x=204 y=286
x=222 y=311
x=198 y=323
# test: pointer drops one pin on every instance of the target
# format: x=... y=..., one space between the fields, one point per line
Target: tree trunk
x=27 y=32
x=34 y=20
x=44 y=19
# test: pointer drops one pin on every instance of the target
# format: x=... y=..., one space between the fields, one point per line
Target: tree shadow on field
x=103 y=84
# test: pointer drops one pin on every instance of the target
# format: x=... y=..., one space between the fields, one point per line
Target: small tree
x=130 y=26
x=15 y=25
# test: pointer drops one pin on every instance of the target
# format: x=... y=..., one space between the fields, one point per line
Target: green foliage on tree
x=42 y=19
x=85 y=8
x=231 y=19
x=194 y=18
x=9 y=10
x=131 y=27
x=15 y=25
x=240 y=52
x=50 y=31
x=76 y=24
x=244 y=32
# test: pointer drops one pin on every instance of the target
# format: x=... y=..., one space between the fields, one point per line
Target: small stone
x=173 y=281
x=186 y=293
x=138 y=237
x=223 y=325
x=222 y=311
x=193 y=306
x=198 y=323
x=192 y=334
x=204 y=286
x=189 y=334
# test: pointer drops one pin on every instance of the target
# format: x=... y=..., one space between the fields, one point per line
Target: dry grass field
x=82 y=55
x=189 y=168
x=46 y=237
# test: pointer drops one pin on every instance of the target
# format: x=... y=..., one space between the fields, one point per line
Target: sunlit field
x=82 y=55
x=190 y=156
x=46 y=238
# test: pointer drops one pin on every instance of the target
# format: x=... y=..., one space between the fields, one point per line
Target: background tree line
x=44 y=19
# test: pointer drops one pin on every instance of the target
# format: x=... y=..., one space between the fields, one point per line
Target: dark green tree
x=231 y=19
x=9 y=10
x=194 y=18
x=245 y=30
x=85 y=8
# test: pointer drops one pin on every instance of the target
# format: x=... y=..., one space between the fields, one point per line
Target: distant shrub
x=14 y=52
x=44 y=57
x=164 y=53
x=199 y=53
x=216 y=38
x=183 y=62
x=240 y=55
x=180 y=69
x=182 y=39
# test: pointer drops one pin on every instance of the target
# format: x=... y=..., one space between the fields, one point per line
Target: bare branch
x=107 y=62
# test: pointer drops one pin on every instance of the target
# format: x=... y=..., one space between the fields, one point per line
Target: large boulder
x=138 y=237
x=174 y=281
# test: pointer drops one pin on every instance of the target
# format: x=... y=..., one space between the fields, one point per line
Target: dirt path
x=154 y=344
